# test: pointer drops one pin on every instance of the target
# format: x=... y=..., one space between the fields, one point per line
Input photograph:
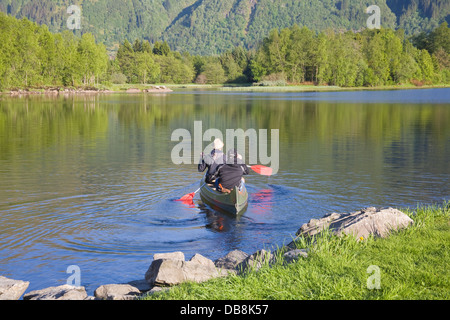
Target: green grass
x=413 y=264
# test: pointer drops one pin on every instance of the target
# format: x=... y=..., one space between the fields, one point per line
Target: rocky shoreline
x=87 y=90
x=171 y=269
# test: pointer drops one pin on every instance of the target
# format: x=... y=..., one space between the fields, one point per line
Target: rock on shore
x=117 y=292
x=170 y=269
x=90 y=90
x=12 y=289
x=56 y=91
x=64 y=292
x=360 y=224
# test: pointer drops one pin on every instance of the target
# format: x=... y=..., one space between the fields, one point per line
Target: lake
x=89 y=180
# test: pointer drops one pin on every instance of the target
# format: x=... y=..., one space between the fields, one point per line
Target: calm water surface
x=89 y=181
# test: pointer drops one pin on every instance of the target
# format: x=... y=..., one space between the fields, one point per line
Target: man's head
x=218 y=144
x=233 y=156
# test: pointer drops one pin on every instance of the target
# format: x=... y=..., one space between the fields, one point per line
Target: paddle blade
x=187 y=198
x=262 y=170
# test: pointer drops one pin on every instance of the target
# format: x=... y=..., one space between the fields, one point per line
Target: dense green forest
x=30 y=55
x=367 y=58
x=207 y=27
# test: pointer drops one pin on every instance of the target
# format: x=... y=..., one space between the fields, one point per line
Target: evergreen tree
x=125 y=56
x=146 y=46
x=233 y=71
x=440 y=38
x=426 y=65
x=137 y=46
x=258 y=66
x=161 y=48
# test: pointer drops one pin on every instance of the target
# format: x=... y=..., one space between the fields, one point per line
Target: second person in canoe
x=231 y=174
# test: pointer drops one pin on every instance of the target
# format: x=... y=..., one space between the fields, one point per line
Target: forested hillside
x=215 y=26
x=32 y=56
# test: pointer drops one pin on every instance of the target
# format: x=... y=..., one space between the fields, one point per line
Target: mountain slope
x=214 y=26
x=110 y=21
x=416 y=16
x=220 y=24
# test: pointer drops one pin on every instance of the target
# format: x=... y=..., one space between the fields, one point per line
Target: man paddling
x=212 y=161
x=231 y=174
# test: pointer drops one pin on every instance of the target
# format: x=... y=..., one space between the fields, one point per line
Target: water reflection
x=262 y=201
x=215 y=220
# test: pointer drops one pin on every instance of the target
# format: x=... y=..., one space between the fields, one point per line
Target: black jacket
x=211 y=161
x=230 y=175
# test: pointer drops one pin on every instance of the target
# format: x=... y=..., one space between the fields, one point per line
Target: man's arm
x=202 y=165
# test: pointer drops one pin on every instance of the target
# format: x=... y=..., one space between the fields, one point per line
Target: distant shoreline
x=167 y=88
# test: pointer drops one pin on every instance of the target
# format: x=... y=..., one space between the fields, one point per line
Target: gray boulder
x=295 y=254
x=12 y=289
x=170 y=272
x=141 y=285
x=117 y=292
x=360 y=224
x=200 y=269
x=231 y=260
x=64 y=292
x=165 y=272
x=169 y=256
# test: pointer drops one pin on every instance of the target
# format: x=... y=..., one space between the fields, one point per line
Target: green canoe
x=234 y=202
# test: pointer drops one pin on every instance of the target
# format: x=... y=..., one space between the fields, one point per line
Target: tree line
x=30 y=55
x=367 y=58
x=298 y=55
x=141 y=63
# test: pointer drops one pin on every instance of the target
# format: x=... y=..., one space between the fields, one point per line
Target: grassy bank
x=413 y=264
